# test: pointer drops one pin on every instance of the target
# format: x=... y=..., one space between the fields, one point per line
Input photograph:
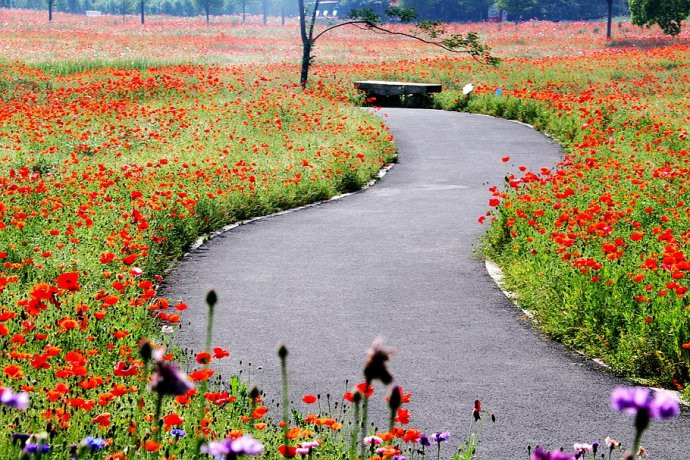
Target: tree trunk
x=141 y=10
x=244 y=11
x=265 y=12
x=50 y=10
x=282 y=12
x=306 y=45
x=306 y=61
x=608 y=23
x=206 y=7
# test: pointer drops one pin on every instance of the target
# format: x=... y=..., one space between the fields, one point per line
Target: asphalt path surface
x=398 y=260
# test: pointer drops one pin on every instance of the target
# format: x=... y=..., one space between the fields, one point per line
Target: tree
x=50 y=9
x=141 y=10
x=609 y=18
x=430 y=32
x=208 y=5
x=517 y=8
x=668 y=14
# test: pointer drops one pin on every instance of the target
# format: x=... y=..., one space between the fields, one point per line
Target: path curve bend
x=398 y=261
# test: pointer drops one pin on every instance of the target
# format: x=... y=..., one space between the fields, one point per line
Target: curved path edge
x=398 y=260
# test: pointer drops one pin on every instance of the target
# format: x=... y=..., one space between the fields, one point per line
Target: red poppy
x=220 y=353
x=287 y=451
x=403 y=416
x=203 y=357
x=69 y=281
x=309 y=399
x=364 y=388
x=172 y=420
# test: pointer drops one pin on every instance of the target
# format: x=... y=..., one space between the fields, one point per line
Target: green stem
x=355 y=430
x=157 y=417
x=286 y=397
x=365 y=422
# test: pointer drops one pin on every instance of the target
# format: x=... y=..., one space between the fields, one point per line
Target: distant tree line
x=442 y=10
x=169 y=7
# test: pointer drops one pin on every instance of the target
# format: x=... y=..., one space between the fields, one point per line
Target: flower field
x=121 y=145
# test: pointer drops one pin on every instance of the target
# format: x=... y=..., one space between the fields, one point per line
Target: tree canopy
x=441 y=10
x=668 y=14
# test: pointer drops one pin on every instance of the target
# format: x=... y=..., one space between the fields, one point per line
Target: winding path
x=398 y=261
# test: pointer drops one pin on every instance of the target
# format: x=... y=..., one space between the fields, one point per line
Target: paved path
x=397 y=261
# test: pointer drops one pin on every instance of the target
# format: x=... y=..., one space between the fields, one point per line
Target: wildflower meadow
x=121 y=145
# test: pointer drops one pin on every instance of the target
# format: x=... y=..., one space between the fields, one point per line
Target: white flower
x=375 y=440
x=582 y=448
x=467 y=89
x=167 y=329
x=136 y=272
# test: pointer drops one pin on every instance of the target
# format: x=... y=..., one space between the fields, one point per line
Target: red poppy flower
x=309 y=399
x=203 y=357
x=69 y=281
x=219 y=353
x=364 y=388
x=287 y=451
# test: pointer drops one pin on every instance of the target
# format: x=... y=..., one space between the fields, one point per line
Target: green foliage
x=366 y=15
x=667 y=14
x=517 y=9
x=402 y=14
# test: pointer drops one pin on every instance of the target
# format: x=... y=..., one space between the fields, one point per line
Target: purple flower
x=169 y=380
x=399 y=457
x=217 y=448
x=658 y=405
x=36 y=449
x=93 y=444
x=543 y=454
x=178 y=433
x=15 y=400
x=424 y=440
x=439 y=437
x=246 y=445
x=664 y=406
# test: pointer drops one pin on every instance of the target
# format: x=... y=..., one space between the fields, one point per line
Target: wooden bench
x=387 y=92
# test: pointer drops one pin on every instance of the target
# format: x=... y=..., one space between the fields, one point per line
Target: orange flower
x=259 y=412
x=152 y=446
x=201 y=375
x=13 y=372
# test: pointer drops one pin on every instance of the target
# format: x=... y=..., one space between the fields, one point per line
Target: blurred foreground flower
x=543 y=454
x=645 y=405
x=658 y=405
x=244 y=445
x=169 y=380
x=15 y=400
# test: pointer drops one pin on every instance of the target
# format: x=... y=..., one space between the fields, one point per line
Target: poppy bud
x=395 y=399
x=254 y=393
x=282 y=351
x=211 y=299
x=146 y=351
x=375 y=366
